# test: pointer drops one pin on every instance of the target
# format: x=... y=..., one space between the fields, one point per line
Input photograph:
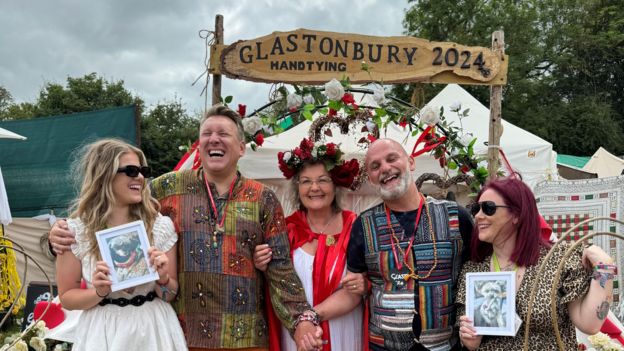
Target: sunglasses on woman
x=133 y=171
x=488 y=208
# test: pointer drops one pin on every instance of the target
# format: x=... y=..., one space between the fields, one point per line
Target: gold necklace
x=412 y=274
x=329 y=239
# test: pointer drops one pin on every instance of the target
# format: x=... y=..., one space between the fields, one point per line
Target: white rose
x=58 y=347
x=371 y=126
x=287 y=156
x=379 y=95
x=308 y=99
x=252 y=124
x=429 y=117
x=334 y=90
x=466 y=139
x=37 y=343
x=293 y=101
x=455 y=106
x=20 y=346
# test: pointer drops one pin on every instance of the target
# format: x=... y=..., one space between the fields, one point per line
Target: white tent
x=5 y=212
x=532 y=156
x=604 y=164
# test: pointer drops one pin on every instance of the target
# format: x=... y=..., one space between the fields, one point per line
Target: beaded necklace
x=395 y=242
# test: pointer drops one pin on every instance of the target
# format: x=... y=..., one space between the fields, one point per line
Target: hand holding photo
x=124 y=248
x=491 y=302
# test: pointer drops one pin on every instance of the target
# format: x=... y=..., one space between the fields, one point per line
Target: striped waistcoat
x=392 y=299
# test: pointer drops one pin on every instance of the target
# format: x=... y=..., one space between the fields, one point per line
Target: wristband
x=605 y=266
x=100 y=296
x=308 y=316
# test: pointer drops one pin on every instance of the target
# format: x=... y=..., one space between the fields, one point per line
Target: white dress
x=151 y=326
x=345 y=331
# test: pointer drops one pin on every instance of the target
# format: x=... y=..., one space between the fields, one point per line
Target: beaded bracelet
x=308 y=316
x=602 y=277
x=606 y=266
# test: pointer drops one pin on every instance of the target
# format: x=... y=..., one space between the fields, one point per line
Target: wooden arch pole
x=496 y=97
x=216 y=78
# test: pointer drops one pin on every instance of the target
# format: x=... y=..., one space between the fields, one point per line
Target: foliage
x=566 y=66
x=163 y=129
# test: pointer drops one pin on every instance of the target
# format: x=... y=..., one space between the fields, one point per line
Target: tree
x=164 y=130
x=6 y=100
x=566 y=66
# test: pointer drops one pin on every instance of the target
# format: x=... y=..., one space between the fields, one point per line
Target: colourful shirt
x=392 y=301
x=220 y=303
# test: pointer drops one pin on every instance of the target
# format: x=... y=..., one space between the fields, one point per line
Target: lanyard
x=214 y=205
x=393 y=238
x=497 y=265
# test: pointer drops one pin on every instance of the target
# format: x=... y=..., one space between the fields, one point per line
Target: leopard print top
x=574 y=283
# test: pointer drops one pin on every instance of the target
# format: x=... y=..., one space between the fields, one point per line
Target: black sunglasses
x=488 y=208
x=133 y=171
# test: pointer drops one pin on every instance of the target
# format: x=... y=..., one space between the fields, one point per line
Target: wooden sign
x=315 y=57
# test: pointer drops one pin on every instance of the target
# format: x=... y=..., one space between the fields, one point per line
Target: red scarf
x=299 y=233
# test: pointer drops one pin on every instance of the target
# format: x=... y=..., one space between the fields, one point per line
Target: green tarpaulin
x=36 y=171
x=574 y=161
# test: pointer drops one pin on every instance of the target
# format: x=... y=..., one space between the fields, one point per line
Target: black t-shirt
x=355 y=251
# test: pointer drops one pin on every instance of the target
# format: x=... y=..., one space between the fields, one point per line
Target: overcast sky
x=154 y=46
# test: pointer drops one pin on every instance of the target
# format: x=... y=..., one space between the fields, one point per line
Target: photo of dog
x=491 y=298
x=128 y=258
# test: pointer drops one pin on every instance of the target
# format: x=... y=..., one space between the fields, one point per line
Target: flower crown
x=343 y=173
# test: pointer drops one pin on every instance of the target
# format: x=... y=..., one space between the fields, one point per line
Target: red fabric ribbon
x=326 y=257
x=611 y=329
x=429 y=145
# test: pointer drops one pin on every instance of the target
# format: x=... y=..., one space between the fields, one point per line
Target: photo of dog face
x=128 y=258
x=491 y=297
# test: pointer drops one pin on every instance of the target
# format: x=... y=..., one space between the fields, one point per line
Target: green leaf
x=466 y=111
x=307 y=115
x=228 y=99
x=452 y=165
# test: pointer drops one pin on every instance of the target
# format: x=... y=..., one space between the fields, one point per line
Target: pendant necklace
x=395 y=242
x=218 y=228
x=329 y=239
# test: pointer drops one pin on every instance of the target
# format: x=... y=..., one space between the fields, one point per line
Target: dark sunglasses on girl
x=133 y=171
x=488 y=208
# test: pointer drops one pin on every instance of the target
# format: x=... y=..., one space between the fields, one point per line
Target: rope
x=209 y=39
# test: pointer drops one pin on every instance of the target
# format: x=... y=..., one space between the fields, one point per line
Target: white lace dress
x=345 y=331
x=151 y=326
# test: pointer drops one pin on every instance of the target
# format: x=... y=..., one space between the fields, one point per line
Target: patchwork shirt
x=220 y=303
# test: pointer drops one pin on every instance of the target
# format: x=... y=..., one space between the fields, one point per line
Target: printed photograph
x=491 y=302
x=124 y=248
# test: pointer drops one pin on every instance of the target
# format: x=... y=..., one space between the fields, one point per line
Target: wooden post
x=216 y=78
x=496 y=97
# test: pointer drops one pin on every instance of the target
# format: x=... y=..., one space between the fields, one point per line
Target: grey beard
x=399 y=190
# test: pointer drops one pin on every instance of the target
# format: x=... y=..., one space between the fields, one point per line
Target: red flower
x=345 y=174
x=355 y=106
x=242 y=110
x=306 y=144
x=297 y=152
x=464 y=169
x=403 y=122
x=293 y=109
x=259 y=139
x=371 y=138
x=442 y=161
x=332 y=112
x=330 y=150
x=348 y=99
x=287 y=171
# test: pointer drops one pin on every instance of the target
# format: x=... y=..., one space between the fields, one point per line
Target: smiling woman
x=319 y=233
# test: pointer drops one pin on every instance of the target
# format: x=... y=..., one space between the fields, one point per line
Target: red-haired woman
x=508 y=238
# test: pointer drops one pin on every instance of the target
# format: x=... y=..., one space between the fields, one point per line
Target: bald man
x=411 y=248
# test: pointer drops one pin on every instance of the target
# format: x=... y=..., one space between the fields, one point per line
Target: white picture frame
x=124 y=248
x=491 y=302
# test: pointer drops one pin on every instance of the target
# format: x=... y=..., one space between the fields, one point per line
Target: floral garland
x=600 y=342
x=343 y=173
x=335 y=105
